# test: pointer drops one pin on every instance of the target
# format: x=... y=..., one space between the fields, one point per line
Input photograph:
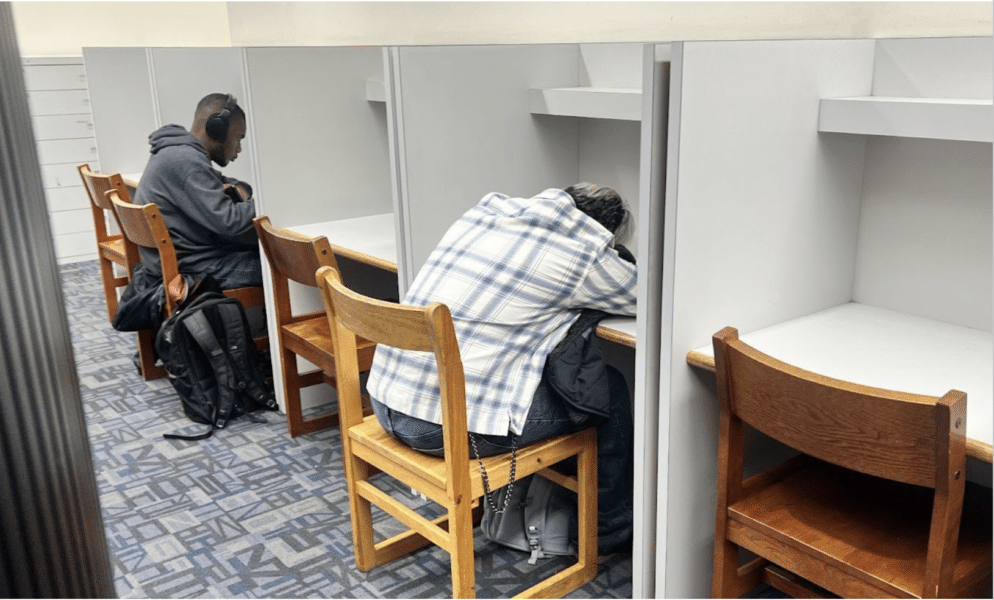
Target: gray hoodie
x=205 y=223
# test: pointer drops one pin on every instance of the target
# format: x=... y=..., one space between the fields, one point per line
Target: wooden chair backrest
x=292 y=255
x=894 y=435
x=143 y=226
x=97 y=185
x=422 y=329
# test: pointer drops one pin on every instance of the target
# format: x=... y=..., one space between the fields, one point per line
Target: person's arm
x=609 y=285
x=239 y=191
x=213 y=208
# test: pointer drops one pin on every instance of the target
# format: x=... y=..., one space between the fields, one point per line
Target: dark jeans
x=548 y=417
x=240 y=268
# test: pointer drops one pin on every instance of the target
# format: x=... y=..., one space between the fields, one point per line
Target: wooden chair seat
x=310 y=339
x=113 y=248
x=377 y=447
x=821 y=517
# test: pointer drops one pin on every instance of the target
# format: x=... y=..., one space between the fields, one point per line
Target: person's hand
x=233 y=192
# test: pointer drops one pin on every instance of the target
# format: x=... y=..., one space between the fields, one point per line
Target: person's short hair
x=215 y=103
x=603 y=205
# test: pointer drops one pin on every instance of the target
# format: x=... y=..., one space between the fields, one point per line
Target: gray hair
x=603 y=205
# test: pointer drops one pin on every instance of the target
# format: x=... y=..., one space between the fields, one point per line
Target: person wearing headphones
x=208 y=214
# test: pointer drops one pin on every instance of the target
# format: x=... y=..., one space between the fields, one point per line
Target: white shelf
x=375 y=91
x=890 y=350
x=595 y=103
x=931 y=118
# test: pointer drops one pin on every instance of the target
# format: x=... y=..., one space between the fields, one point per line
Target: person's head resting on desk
x=603 y=205
x=220 y=126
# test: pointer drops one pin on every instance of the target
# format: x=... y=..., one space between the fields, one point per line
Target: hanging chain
x=486 y=480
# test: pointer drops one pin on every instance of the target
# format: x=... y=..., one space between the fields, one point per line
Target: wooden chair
x=455 y=481
x=143 y=226
x=296 y=257
x=110 y=247
x=870 y=509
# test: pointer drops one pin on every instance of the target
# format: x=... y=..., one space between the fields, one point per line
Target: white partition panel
x=609 y=155
x=122 y=105
x=323 y=147
x=934 y=68
x=322 y=155
x=650 y=460
x=925 y=237
x=611 y=66
x=182 y=76
x=761 y=224
x=467 y=131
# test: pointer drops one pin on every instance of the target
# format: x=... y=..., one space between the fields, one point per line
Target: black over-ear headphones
x=217 y=124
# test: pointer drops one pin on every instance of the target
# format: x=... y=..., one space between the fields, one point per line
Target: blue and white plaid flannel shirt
x=514 y=273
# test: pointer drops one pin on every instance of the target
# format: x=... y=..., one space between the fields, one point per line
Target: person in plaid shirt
x=515 y=274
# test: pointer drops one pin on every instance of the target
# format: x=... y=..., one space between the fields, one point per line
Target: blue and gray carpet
x=249 y=512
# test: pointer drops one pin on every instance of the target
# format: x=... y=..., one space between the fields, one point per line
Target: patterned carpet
x=249 y=512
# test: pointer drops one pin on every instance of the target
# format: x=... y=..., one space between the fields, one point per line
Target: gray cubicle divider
x=122 y=105
x=919 y=194
x=519 y=119
x=323 y=146
x=182 y=76
x=322 y=155
x=768 y=219
x=649 y=456
x=468 y=129
x=133 y=91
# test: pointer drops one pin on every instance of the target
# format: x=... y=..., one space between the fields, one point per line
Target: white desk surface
x=620 y=330
x=371 y=239
x=132 y=177
x=891 y=350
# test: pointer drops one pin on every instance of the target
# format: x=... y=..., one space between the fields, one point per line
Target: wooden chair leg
x=461 y=554
x=293 y=381
x=110 y=287
x=291 y=392
x=726 y=559
x=146 y=355
x=362 y=516
x=587 y=508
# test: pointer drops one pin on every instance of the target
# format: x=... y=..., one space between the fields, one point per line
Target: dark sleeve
x=213 y=208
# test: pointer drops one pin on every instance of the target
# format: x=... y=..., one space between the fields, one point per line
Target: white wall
x=64 y=28
x=419 y=23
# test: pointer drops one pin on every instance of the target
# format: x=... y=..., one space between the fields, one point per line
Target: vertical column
x=52 y=540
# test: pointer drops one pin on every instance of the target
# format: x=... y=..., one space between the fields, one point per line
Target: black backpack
x=207 y=349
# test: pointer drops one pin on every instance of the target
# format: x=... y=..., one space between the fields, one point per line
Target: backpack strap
x=191 y=438
x=196 y=323
x=244 y=375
